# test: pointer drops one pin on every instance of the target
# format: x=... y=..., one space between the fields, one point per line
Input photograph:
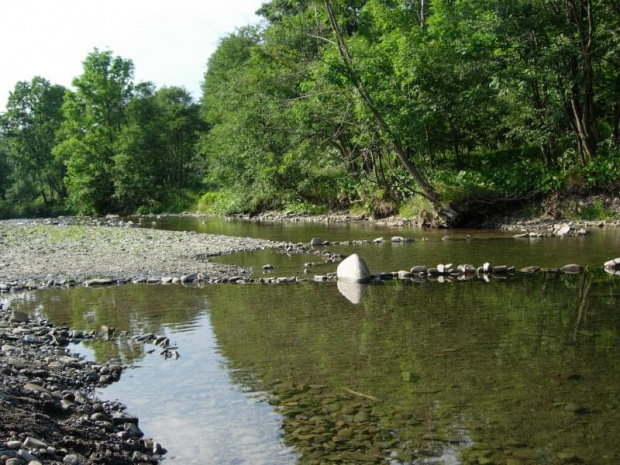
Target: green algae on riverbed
x=515 y=369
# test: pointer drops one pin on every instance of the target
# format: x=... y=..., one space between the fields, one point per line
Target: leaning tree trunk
x=427 y=190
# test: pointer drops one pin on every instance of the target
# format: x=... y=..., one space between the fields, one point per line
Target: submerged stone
x=572 y=268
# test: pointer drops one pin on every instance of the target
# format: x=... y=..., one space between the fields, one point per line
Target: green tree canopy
x=156 y=150
x=94 y=117
x=29 y=125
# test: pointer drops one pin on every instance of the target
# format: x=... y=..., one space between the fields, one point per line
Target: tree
x=95 y=115
x=181 y=125
x=156 y=150
x=30 y=124
x=5 y=168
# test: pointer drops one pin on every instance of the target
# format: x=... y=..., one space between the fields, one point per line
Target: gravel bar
x=45 y=252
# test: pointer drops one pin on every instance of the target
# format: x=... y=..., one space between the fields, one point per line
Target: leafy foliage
x=155 y=151
x=29 y=128
x=94 y=117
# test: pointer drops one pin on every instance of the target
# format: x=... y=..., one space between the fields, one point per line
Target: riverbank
x=57 y=253
x=590 y=210
x=538 y=223
x=583 y=212
x=49 y=412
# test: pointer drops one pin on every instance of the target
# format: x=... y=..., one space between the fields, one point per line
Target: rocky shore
x=49 y=414
x=34 y=254
x=109 y=251
x=506 y=224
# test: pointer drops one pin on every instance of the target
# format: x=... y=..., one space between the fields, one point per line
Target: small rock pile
x=48 y=412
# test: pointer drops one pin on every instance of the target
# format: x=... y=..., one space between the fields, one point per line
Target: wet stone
x=34 y=443
x=530 y=269
x=71 y=459
x=572 y=268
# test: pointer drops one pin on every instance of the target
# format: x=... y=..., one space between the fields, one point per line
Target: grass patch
x=413 y=207
x=222 y=203
x=595 y=211
x=306 y=208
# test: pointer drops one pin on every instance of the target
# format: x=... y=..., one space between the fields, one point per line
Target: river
x=510 y=371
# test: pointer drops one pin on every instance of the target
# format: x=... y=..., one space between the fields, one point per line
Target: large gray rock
x=353 y=269
x=466 y=269
x=100 y=282
x=188 y=278
x=34 y=443
x=418 y=269
x=563 y=230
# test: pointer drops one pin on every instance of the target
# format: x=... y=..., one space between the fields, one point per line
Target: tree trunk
x=455 y=143
x=581 y=16
x=429 y=144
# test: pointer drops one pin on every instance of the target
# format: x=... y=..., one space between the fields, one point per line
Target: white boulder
x=353 y=269
x=613 y=264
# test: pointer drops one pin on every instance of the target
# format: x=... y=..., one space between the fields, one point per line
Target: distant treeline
x=373 y=105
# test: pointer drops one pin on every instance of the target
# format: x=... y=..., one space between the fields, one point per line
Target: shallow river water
x=511 y=371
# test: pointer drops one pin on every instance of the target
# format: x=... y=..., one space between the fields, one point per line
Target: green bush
x=595 y=211
x=604 y=171
x=36 y=209
x=222 y=203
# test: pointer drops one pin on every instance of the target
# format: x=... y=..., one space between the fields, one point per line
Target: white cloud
x=168 y=41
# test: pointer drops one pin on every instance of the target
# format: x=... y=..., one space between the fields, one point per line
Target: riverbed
x=512 y=369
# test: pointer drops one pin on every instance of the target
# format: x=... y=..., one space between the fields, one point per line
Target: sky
x=169 y=41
